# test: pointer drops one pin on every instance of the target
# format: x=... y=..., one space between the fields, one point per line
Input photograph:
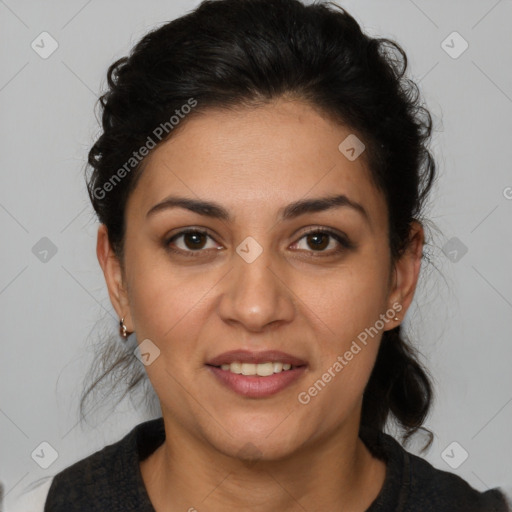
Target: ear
x=113 y=273
x=406 y=272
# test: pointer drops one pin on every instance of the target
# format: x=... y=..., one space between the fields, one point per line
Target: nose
x=256 y=293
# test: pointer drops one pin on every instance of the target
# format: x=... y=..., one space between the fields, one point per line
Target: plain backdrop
x=54 y=304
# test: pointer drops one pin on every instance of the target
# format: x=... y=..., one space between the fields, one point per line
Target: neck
x=334 y=473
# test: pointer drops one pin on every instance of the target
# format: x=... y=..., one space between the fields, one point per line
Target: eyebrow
x=291 y=211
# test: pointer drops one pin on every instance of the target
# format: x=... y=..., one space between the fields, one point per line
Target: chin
x=261 y=441
x=252 y=451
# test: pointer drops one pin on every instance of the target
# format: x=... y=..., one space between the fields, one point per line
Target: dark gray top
x=110 y=479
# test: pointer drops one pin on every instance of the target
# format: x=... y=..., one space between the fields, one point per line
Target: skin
x=291 y=298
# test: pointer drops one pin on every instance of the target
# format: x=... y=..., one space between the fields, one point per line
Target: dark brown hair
x=230 y=53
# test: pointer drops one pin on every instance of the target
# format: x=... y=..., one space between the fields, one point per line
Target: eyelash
x=342 y=241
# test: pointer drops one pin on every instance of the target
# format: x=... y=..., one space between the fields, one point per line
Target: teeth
x=233 y=367
x=261 y=369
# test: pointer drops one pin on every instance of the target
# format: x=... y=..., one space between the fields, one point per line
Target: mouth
x=256 y=374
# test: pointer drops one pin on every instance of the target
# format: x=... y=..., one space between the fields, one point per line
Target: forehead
x=248 y=157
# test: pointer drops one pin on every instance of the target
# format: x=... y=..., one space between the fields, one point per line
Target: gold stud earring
x=122 y=328
x=397 y=318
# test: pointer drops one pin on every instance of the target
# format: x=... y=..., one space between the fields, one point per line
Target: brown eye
x=318 y=241
x=324 y=241
x=194 y=240
x=189 y=241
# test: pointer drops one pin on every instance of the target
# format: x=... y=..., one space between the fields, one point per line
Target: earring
x=396 y=318
x=122 y=328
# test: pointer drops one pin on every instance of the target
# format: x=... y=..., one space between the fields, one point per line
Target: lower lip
x=253 y=386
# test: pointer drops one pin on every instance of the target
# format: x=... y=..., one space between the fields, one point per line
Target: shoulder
x=430 y=488
x=412 y=484
x=85 y=480
x=107 y=479
x=443 y=490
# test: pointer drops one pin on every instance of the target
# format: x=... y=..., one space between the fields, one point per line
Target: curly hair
x=235 y=53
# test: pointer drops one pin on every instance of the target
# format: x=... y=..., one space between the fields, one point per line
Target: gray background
x=52 y=312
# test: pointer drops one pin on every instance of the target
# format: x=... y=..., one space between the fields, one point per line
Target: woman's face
x=257 y=281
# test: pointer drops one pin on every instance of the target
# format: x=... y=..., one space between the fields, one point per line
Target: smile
x=256 y=380
x=261 y=369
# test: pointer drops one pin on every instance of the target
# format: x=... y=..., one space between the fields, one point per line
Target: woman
x=260 y=183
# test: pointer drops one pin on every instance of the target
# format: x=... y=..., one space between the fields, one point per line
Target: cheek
x=160 y=296
x=345 y=361
x=167 y=306
x=345 y=303
x=345 y=310
x=168 y=309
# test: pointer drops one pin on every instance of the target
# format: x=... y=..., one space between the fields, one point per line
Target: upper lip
x=246 y=356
